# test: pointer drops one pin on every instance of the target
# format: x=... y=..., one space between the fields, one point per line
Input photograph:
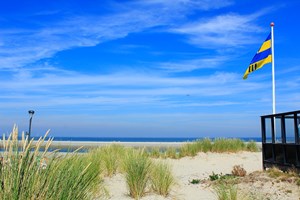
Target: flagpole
x=273 y=76
x=273 y=66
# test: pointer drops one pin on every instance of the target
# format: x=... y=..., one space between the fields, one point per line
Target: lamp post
x=30 y=112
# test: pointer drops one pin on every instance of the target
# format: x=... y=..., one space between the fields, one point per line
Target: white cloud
x=54 y=88
x=190 y=65
x=227 y=30
x=186 y=4
x=19 y=47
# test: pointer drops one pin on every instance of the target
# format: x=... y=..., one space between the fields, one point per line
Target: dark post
x=31 y=112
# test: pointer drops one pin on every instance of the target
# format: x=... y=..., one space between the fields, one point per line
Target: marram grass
x=161 y=178
x=111 y=158
x=27 y=173
x=226 y=191
x=137 y=168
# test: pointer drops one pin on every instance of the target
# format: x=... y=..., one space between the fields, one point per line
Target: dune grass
x=111 y=158
x=161 y=178
x=171 y=152
x=27 y=173
x=137 y=168
x=228 y=145
x=219 y=145
x=251 y=146
x=226 y=191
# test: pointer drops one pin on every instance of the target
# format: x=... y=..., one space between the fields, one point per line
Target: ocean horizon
x=145 y=139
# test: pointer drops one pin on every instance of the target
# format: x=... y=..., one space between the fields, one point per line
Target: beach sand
x=200 y=167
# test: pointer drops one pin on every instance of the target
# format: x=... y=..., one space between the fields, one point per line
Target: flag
x=262 y=57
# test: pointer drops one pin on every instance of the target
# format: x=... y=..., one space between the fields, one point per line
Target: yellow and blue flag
x=262 y=57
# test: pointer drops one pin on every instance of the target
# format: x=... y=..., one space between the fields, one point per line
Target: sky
x=151 y=68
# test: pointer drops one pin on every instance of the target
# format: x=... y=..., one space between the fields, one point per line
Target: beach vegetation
x=214 y=176
x=28 y=170
x=204 y=145
x=188 y=149
x=291 y=175
x=251 y=146
x=221 y=177
x=195 y=181
x=221 y=145
x=161 y=178
x=111 y=158
x=137 y=168
x=171 y=152
x=238 y=170
x=226 y=191
x=155 y=152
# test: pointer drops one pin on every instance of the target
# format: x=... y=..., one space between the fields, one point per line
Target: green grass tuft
x=137 y=167
x=161 y=178
x=28 y=173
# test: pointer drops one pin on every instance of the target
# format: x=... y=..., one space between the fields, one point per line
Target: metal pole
x=273 y=66
x=31 y=112
x=273 y=76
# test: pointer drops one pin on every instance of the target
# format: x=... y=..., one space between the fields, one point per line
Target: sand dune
x=200 y=167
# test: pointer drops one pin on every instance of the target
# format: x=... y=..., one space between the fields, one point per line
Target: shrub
x=214 y=176
x=195 y=181
x=238 y=171
x=161 y=178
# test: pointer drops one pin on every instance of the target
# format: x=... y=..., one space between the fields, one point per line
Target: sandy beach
x=200 y=167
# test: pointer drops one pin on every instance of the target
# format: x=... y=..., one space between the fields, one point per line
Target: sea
x=144 y=139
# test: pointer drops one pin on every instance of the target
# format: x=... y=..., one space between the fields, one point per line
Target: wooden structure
x=280 y=140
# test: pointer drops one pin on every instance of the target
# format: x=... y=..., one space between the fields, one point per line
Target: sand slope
x=200 y=167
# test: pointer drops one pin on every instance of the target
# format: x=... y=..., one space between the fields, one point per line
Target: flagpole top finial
x=272 y=24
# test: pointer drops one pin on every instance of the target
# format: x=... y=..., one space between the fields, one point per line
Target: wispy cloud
x=190 y=65
x=181 y=5
x=123 y=89
x=227 y=30
x=20 y=47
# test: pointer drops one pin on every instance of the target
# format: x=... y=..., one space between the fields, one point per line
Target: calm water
x=139 y=139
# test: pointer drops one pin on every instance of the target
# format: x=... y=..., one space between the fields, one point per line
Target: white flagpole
x=273 y=66
x=273 y=76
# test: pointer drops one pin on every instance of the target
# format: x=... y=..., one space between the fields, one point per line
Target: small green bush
x=214 y=176
x=195 y=181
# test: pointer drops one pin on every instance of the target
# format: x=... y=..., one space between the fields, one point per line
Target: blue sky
x=160 y=68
